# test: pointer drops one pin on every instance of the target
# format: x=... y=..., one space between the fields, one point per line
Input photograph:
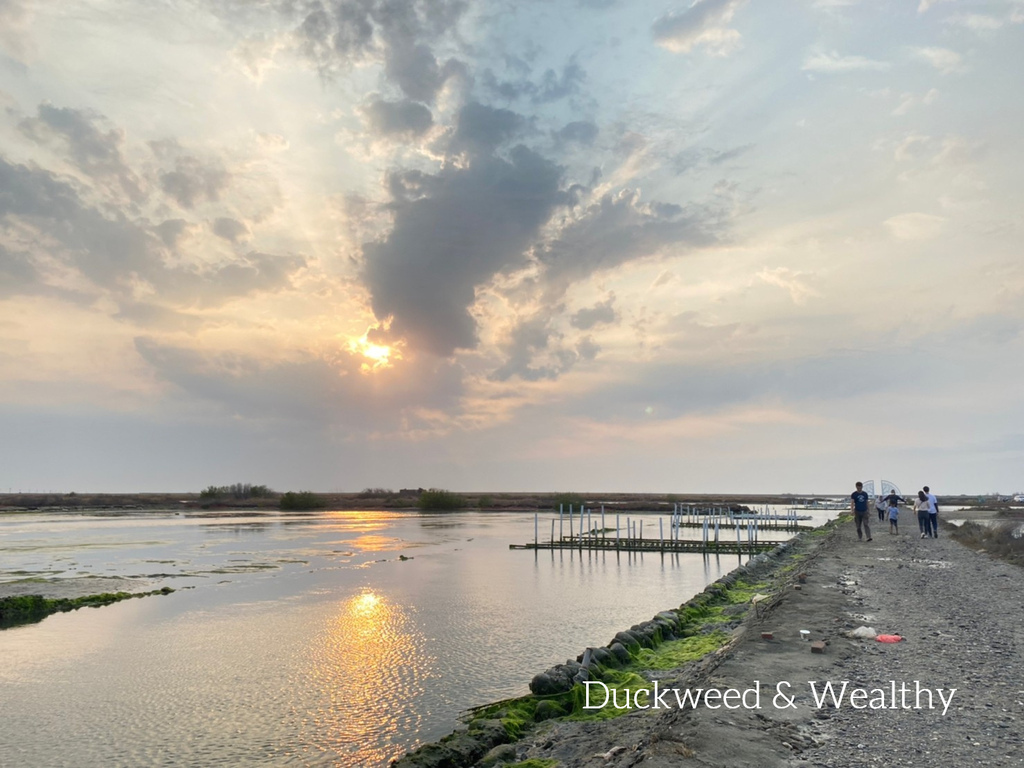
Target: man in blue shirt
x=859 y=507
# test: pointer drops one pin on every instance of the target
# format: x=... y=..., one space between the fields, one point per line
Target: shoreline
x=713 y=621
x=846 y=584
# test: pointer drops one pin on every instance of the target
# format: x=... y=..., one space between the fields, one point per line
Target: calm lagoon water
x=299 y=640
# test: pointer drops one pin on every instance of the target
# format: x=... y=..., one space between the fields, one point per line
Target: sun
x=378 y=356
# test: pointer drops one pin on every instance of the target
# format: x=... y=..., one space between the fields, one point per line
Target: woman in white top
x=921 y=506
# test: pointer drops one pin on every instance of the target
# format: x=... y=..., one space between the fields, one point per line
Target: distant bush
x=484 y=502
x=301 y=500
x=438 y=498
x=565 y=499
x=1002 y=539
x=375 y=493
x=236 y=491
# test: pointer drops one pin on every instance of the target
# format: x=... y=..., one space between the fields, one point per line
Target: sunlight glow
x=378 y=355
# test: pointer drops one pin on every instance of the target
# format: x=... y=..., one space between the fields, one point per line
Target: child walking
x=893 y=500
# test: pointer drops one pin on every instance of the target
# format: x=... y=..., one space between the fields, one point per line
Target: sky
x=725 y=246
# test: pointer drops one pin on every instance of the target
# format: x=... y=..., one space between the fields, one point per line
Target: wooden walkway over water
x=717 y=525
x=668 y=546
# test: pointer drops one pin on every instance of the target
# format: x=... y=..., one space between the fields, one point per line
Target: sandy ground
x=962 y=615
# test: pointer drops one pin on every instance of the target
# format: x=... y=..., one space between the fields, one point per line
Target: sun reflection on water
x=366 y=665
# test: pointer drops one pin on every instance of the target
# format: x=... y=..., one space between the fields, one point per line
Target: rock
x=548 y=709
x=503 y=753
x=618 y=650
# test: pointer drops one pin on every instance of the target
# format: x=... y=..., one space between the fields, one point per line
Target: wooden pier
x=664 y=546
x=717 y=529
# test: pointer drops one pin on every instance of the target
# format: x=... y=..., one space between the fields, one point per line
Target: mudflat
x=960 y=612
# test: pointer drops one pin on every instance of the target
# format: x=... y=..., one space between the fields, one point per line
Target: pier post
x=536 y=523
x=570 y=522
x=616 y=531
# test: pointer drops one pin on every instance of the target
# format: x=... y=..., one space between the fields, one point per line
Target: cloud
x=481 y=129
x=404 y=118
x=977 y=22
x=703 y=24
x=580 y=132
x=943 y=59
x=833 y=63
x=230 y=229
x=322 y=390
x=94 y=151
x=796 y=283
x=116 y=253
x=14 y=23
x=415 y=70
x=18 y=273
x=193 y=181
x=588 y=317
x=551 y=87
x=453 y=231
x=618 y=228
x=336 y=34
x=528 y=339
x=914 y=226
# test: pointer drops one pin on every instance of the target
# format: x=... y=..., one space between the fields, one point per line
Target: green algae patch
x=622 y=697
x=534 y=762
x=676 y=653
x=27 y=609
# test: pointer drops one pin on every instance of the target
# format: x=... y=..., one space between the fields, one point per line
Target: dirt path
x=962 y=615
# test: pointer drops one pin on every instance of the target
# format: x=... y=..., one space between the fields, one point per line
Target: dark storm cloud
x=323 y=392
x=452 y=234
x=96 y=152
x=398 y=118
x=192 y=181
x=114 y=251
x=588 y=317
x=230 y=229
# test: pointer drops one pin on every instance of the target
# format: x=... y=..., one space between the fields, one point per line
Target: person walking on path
x=921 y=507
x=892 y=503
x=933 y=512
x=880 y=506
x=859 y=507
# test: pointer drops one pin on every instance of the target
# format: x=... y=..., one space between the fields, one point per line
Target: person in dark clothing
x=859 y=507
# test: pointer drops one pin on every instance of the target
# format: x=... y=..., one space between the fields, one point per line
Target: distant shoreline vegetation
x=438 y=500
x=298 y=500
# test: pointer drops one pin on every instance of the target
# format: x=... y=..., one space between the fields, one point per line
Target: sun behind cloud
x=378 y=356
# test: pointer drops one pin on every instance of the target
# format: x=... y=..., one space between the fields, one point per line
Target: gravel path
x=963 y=616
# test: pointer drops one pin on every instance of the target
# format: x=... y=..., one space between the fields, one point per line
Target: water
x=301 y=640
